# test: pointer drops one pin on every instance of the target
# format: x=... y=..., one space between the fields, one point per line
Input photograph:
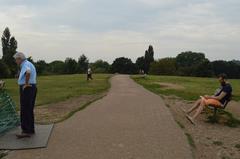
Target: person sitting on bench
x=222 y=95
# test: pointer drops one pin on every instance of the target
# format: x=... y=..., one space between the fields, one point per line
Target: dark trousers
x=89 y=76
x=27 y=102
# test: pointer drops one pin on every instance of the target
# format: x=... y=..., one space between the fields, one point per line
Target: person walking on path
x=89 y=74
x=28 y=91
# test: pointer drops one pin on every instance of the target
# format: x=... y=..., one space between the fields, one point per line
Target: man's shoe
x=23 y=135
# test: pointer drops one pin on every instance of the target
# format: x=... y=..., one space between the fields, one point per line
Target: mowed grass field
x=57 y=88
x=193 y=87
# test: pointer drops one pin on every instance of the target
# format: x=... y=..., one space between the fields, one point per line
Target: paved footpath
x=129 y=123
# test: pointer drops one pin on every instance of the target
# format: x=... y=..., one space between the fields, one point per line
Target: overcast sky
x=106 y=29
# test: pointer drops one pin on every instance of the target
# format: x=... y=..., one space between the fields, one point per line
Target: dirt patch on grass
x=165 y=85
x=56 y=112
x=218 y=140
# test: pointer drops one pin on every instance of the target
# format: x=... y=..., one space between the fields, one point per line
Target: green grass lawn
x=53 y=89
x=193 y=86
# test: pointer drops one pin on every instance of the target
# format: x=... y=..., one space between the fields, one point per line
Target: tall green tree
x=56 y=67
x=4 y=71
x=30 y=59
x=229 y=67
x=189 y=58
x=188 y=62
x=149 y=58
x=82 y=64
x=204 y=69
x=123 y=65
x=140 y=63
x=70 y=66
x=9 y=47
x=165 y=66
x=100 y=66
x=41 y=67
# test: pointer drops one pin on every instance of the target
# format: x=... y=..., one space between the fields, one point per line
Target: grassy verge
x=193 y=86
x=191 y=143
x=79 y=109
x=2 y=154
x=189 y=89
x=52 y=89
x=224 y=117
x=189 y=137
x=190 y=140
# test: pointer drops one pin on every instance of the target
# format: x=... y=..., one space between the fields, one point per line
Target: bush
x=4 y=70
x=124 y=66
x=100 y=66
x=165 y=66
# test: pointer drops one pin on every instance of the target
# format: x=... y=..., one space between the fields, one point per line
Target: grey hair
x=19 y=55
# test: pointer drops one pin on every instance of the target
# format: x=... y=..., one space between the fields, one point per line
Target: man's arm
x=27 y=78
x=221 y=96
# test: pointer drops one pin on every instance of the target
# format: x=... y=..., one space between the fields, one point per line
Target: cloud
x=108 y=29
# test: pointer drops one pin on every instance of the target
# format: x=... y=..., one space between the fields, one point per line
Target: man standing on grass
x=89 y=74
x=28 y=91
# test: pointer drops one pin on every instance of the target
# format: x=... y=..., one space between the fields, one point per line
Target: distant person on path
x=28 y=91
x=141 y=72
x=222 y=95
x=89 y=74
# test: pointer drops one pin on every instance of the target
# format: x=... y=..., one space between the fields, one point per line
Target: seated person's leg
x=200 y=108
x=203 y=104
x=198 y=111
x=194 y=107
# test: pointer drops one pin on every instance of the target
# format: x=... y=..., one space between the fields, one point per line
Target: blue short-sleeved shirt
x=27 y=66
x=227 y=88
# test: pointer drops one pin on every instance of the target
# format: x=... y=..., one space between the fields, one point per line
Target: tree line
x=194 y=64
x=9 y=69
x=184 y=64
